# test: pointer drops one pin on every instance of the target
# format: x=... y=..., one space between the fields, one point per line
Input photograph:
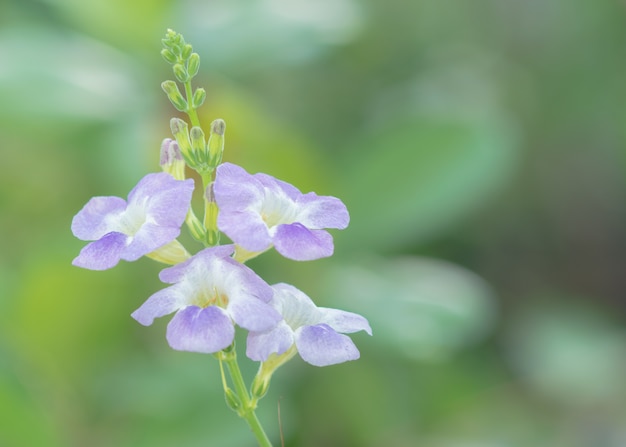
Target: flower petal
x=320 y=345
x=253 y=314
x=167 y=199
x=103 y=253
x=162 y=303
x=90 y=223
x=344 y=322
x=260 y=345
x=235 y=189
x=205 y=330
x=295 y=241
x=317 y=212
x=148 y=238
x=246 y=228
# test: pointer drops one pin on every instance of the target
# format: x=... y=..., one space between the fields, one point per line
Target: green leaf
x=415 y=179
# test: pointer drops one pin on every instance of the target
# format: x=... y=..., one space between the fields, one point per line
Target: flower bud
x=198 y=97
x=176 y=98
x=180 y=73
x=193 y=64
x=168 y=56
x=186 y=50
x=210 y=216
x=197 y=144
x=180 y=132
x=216 y=142
x=172 y=160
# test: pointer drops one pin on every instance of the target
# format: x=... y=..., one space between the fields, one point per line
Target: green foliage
x=488 y=134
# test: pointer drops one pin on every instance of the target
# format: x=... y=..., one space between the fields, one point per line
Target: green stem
x=247 y=405
x=191 y=111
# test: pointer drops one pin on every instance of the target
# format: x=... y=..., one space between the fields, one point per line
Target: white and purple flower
x=151 y=218
x=258 y=211
x=210 y=292
x=316 y=332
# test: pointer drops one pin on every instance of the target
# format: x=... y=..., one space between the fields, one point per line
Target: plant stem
x=191 y=111
x=247 y=406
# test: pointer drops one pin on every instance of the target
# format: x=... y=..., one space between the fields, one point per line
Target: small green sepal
x=232 y=400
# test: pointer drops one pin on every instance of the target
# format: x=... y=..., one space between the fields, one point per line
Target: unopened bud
x=216 y=142
x=198 y=97
x=168 y=56
x=197 y=143
x=176 y=98
x=180 y=132
x=193 y=65
x=186 y=51
x=210 y=216
x=180 y=72
x=172 y=160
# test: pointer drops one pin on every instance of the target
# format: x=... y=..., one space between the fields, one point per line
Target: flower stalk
x=212 y=293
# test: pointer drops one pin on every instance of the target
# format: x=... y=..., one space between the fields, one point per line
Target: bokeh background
x=479 y=145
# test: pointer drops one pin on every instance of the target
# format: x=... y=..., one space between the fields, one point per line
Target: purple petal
x=196 y=329
x=278 y=186
x=245 y=228
x=320 y=345
x=253 y=314
x=295 y=306
x=103 y=253
x=344 y=322
x=295 y=241
x=261 y=344
x=319 y=212
x=177 y=272
x=168 y=199
x=148 y=238
x=235 y=189
x=90 y=222
x=162 y=303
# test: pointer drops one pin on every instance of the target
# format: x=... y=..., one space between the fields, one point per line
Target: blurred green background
x=479 y=146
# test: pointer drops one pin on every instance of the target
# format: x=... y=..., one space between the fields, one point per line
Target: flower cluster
x=212 y=292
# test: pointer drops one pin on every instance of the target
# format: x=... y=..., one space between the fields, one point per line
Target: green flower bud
x=180 y=73
x=197 y=143
x=168 y=56
x=195 y=227
x=198 y=97
x=172 y=160
x=216 y=142
x=210 y=216
x=186 y=50
x=180 y=132
x=193 y=64
x=176 y=98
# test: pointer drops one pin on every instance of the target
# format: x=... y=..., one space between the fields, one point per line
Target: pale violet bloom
x=317 y=332
x=258 y=211
x=151 y=218
x=210 y=292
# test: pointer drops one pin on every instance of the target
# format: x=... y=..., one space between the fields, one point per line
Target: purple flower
x=210 y=292
x=316 y=331
x=258 y=211
x=151 y=218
